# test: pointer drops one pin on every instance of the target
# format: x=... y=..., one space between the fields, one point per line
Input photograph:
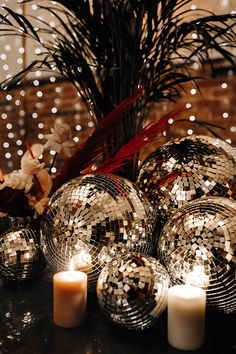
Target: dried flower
x=41 y=205
x=30 y=168
x=60 y=139
x=25 y=191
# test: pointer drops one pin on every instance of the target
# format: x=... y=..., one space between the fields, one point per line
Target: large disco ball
x=132 y=291
x=230 y=150
x=198 y=244
x=21 y=258
x=186 y=169
x=91 y=218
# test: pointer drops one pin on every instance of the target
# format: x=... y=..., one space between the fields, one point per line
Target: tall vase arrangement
x=109 y=49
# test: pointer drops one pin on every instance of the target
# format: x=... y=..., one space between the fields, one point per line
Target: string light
x=54 y=110
x=52 y=79
x=34 y=115
x=53 y=170
x=42 y=103
x=39 y=94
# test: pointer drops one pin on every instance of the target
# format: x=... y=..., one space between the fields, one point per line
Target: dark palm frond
x=108 y=48
x=93 y=149
x=150 y=133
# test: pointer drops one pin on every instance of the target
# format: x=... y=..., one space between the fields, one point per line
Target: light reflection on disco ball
x=132 y=291
x=91 y=218
x=186 y=169
x=231 y=150
x=202 y=234
x=21 y=258
x=12 y=222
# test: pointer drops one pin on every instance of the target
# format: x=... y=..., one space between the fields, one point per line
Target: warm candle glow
x=82 y=261
x=71 y=269
x=197 y=277
x=186 y=317
x=69 y=297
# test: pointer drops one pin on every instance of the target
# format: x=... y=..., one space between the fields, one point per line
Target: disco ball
x=198 y=245
x=132 y=291
x=8 y=223
x=21 y=258
x=91 y=218
x=230 y=150
x=186 y=169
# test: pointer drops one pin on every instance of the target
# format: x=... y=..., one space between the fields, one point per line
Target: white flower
x=60 y=139
x=30 y=165
x=29 y=162
x=45 y=181
x=14 y=180
x=30 y=168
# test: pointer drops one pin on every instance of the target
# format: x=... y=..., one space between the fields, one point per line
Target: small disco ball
x=12 y=222
x=198 y=245
x=91 y=218
x=186 y=169
x=132 y=290
x=21 y=258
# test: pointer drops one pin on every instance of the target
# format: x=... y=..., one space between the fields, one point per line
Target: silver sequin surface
x=198 y=243
x=132 y=291
x=92 y=218
x=20 y=256
x=186 y=169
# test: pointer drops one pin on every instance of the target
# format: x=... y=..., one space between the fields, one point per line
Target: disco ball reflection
x=21 y=258
x=93 y=217
x=198 y=244
x=185 y=169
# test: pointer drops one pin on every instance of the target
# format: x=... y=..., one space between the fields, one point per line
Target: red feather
x=147 y=135
x=91 y=150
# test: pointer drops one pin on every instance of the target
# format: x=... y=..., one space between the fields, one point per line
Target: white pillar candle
x=186 y=317
x=69 y=298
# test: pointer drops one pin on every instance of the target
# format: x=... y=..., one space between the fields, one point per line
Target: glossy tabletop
x=26 y=327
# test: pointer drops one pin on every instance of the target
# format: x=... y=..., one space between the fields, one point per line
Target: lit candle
x=186 y=317
x=69 y=298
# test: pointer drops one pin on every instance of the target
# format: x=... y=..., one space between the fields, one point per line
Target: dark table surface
x=26 y=327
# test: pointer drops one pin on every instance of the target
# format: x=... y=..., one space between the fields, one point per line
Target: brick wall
x=27 y=115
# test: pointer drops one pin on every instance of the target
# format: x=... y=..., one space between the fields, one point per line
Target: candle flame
x=197 y=277
x=82 y=260
x=71 y=268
